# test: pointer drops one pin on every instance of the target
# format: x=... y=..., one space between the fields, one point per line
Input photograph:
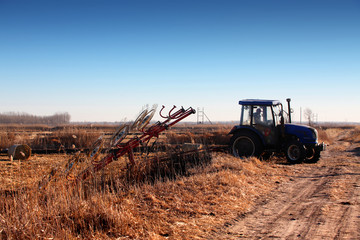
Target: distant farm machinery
x=127 y=139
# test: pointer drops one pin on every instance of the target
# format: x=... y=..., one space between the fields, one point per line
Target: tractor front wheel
x=312 y=156
x=246 y=144
x=295 y=152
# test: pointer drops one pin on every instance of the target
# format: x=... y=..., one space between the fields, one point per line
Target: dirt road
x=321 y=201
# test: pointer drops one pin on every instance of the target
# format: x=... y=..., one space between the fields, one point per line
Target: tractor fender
x=237 y=129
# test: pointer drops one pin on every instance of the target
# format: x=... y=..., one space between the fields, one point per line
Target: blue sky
x=105 y=60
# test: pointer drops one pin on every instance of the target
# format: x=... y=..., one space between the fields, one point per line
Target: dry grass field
x=208 y=199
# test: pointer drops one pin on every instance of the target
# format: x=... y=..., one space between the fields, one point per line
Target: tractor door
x=264 y=122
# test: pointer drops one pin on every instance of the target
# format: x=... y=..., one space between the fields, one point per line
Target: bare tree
x=308 y=115
x=24 y=118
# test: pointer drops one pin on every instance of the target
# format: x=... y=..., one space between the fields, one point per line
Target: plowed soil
x=321 y=201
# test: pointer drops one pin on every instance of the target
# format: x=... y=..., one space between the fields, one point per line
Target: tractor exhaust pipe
x=289 y=108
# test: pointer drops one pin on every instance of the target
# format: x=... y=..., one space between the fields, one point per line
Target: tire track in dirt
x=320 y=202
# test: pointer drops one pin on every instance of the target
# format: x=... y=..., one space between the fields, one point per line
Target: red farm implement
x=122 y=143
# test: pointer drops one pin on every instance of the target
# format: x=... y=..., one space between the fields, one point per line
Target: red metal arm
x=121 y=150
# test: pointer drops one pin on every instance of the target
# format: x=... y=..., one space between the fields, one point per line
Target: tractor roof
x=259 y=102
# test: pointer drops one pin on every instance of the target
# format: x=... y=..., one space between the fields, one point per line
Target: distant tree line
x=24 y=118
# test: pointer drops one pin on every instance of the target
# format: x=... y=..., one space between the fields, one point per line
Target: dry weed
x=354 y=136
x=325 y=137
x=178 y=199
x=187 y=207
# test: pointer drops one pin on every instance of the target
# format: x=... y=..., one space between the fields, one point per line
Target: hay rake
x=118 y=146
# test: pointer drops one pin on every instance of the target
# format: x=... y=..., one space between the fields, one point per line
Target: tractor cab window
x=262 y=115
x=268 y=116
x=245 y=115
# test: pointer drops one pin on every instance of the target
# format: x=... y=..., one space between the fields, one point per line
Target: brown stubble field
x=209 y=200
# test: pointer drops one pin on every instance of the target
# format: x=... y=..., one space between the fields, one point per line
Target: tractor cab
x=263 y=116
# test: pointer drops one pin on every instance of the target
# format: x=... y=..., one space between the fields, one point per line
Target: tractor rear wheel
x=246 y=144
x=295 y=152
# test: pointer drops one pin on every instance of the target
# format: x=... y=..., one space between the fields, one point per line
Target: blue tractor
x=263 y=131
